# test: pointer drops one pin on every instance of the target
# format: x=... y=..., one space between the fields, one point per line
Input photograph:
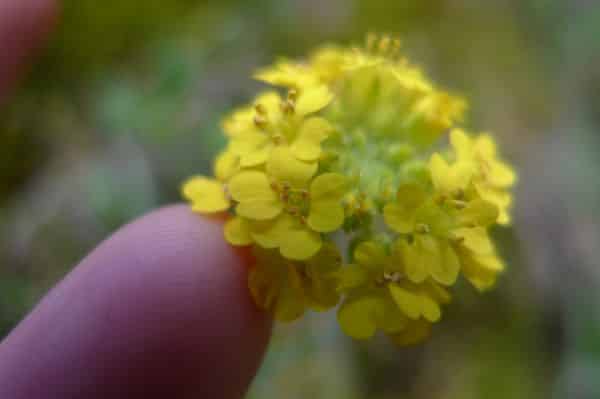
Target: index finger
x=159 y=310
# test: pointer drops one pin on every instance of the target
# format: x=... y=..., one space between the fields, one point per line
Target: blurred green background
x=125 y=102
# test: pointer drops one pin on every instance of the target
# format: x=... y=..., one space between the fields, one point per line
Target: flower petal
x=259 y=209
x=370 y=254
x=256 y=157
x=478 y=213
x=416 y=266
x=446 y=267
x=325 y=216
x=475 y=239
x=284 y=167
x=356 y=316
x=328 y=186
x=226 y=165
x=237 y=232
x=398 y=218
x=299 y=243
x=407 y=301
x=206 y=195
x=251 y=185
x=307 y=146
x=313 y=99
x=449 y=178
x=430 y=309
x=247 y=143
x=291 y=302
x=462 y=144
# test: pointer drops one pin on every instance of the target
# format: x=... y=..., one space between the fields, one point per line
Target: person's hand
x=159 y=310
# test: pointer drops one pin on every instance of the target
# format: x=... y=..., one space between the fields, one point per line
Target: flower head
x=341 y=155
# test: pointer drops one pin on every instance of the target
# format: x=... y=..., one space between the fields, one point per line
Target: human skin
x=159 y=310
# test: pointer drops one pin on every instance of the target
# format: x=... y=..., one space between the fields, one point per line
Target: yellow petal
x=430 y=309
x=226 y=165
x=325 y=216
x=237 y=232
x=370 y=254
x=284 y=167
x=251 y=185
x=356 y=316
x=268 y=233
x=445 y=269
x=259 y=209
x=409 y=302
x=257 y=200
x=257 y=157
x=328 y=186
x=352 y=277
x=449 y=179
x=415 y=265
x=475 y=239
x=388 y=317
x=206 y=195
x=486 y=146
x=501 y=175
x=482 y=278
x=247 y=143
x=299 y=244
x=438 y=167
x=463 y=144
x=288 y=75
x=307 y=146
x=399 y=218
x=291 y=302
x=478 y=213
x=437 y=292
x=313 y=99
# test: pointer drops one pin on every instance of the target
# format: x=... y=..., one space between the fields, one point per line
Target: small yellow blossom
x=210 y=195
x=288 y=288
x=380 y=297
x=286 y=209
x=284 y=123
x=492 y=178
x=430 y=254
x=288 y=74
x=343 y=155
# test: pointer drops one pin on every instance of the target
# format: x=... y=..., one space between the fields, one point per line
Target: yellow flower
x=349 y=152
x=380 y=297
x=243 y=120
x=328 y=63
x=480 y=263
x=209 y=195
x=492 y=177
x=441 y=110
x=280 y=122
x=431 y=224
x=449 y=180
x=288 y=74
x=286 y=209
x=430 y=254
x=287 y=288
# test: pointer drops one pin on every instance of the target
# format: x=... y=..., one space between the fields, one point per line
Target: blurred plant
x=347 y=159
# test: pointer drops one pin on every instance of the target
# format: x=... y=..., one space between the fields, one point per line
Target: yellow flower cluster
x=341 y=157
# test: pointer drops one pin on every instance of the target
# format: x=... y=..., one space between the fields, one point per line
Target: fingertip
x=161 y=308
